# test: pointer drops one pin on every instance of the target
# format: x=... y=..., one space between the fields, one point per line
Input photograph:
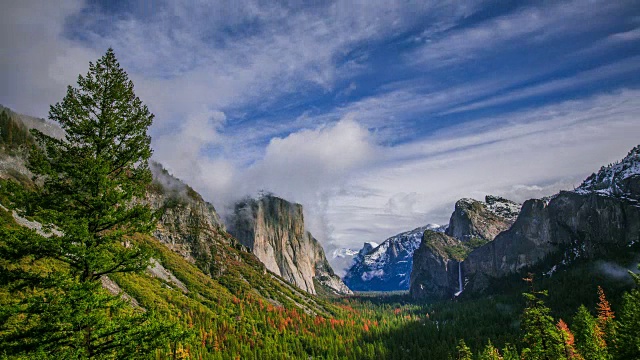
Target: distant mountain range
x=386 y=267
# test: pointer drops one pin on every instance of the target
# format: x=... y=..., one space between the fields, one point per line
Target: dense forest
x=55 y=302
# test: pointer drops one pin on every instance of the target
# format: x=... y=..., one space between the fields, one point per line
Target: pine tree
x=510 y=352
x=89 y=182
x=490 y=353
x=589 y=338
x=568 y=340
x=606 y=324
x=541 y=336
x=627 y=338
x=463 y=351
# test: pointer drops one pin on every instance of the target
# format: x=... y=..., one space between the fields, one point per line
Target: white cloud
x=305 y=165
x=37 y=62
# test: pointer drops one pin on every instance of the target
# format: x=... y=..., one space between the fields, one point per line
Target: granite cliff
x=482 y=220
x=598 y=220
x=436 y=271
x=187 y=225
x=273 y=230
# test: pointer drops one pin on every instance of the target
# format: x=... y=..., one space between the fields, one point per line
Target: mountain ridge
x=599 y=220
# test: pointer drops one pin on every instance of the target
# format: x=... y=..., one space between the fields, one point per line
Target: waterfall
x=459 y=279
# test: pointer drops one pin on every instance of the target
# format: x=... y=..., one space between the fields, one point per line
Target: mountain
x=199 y=275
x=188 y=225
x=435 y=273
x=436 y=266
x=386 y=267
x=341 y=259
x=599 y=220
x=273 y=230
x=619 y=180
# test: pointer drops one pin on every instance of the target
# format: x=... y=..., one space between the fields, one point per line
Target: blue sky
x=376 y=116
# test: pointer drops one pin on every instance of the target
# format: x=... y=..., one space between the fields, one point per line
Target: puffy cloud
x=314 y=158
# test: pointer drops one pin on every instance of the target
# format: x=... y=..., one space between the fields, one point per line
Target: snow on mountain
x=386 y=267
x=344 y=253
x=503 y=207
x=617 y=180
x=342 y=259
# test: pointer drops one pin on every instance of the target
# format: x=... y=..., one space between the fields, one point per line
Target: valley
x=255 y=295
x=319 y=180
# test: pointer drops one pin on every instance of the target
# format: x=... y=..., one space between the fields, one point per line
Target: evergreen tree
x=89 y=182
x=541 y=336
x=490 y=353
x=464 y=352
x=510 y=352
x=606 y=324
x=568 y=340
x=589 y=338
x=628 y=325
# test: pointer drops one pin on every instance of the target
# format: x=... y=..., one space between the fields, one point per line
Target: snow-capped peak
x=387 y=266
x=615 y=179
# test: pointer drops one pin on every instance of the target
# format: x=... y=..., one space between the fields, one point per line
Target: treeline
x=599 y=337
x=13 y=134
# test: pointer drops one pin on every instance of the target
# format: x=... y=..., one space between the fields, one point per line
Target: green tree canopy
x=543 y=340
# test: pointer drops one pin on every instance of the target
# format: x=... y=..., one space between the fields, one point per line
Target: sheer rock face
x=485 y=220
x=185 y=225
x=273 y=229
x=435 y=272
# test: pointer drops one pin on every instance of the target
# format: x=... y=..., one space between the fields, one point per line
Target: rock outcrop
x=436 y=271
x=187 y=224
x=482 y=220
x=436 y=267
x=386 y=267
x=569 y=226
x=273 y=230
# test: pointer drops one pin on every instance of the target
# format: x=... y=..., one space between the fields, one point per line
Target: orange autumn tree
x=569 y=341
x=606 y=324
